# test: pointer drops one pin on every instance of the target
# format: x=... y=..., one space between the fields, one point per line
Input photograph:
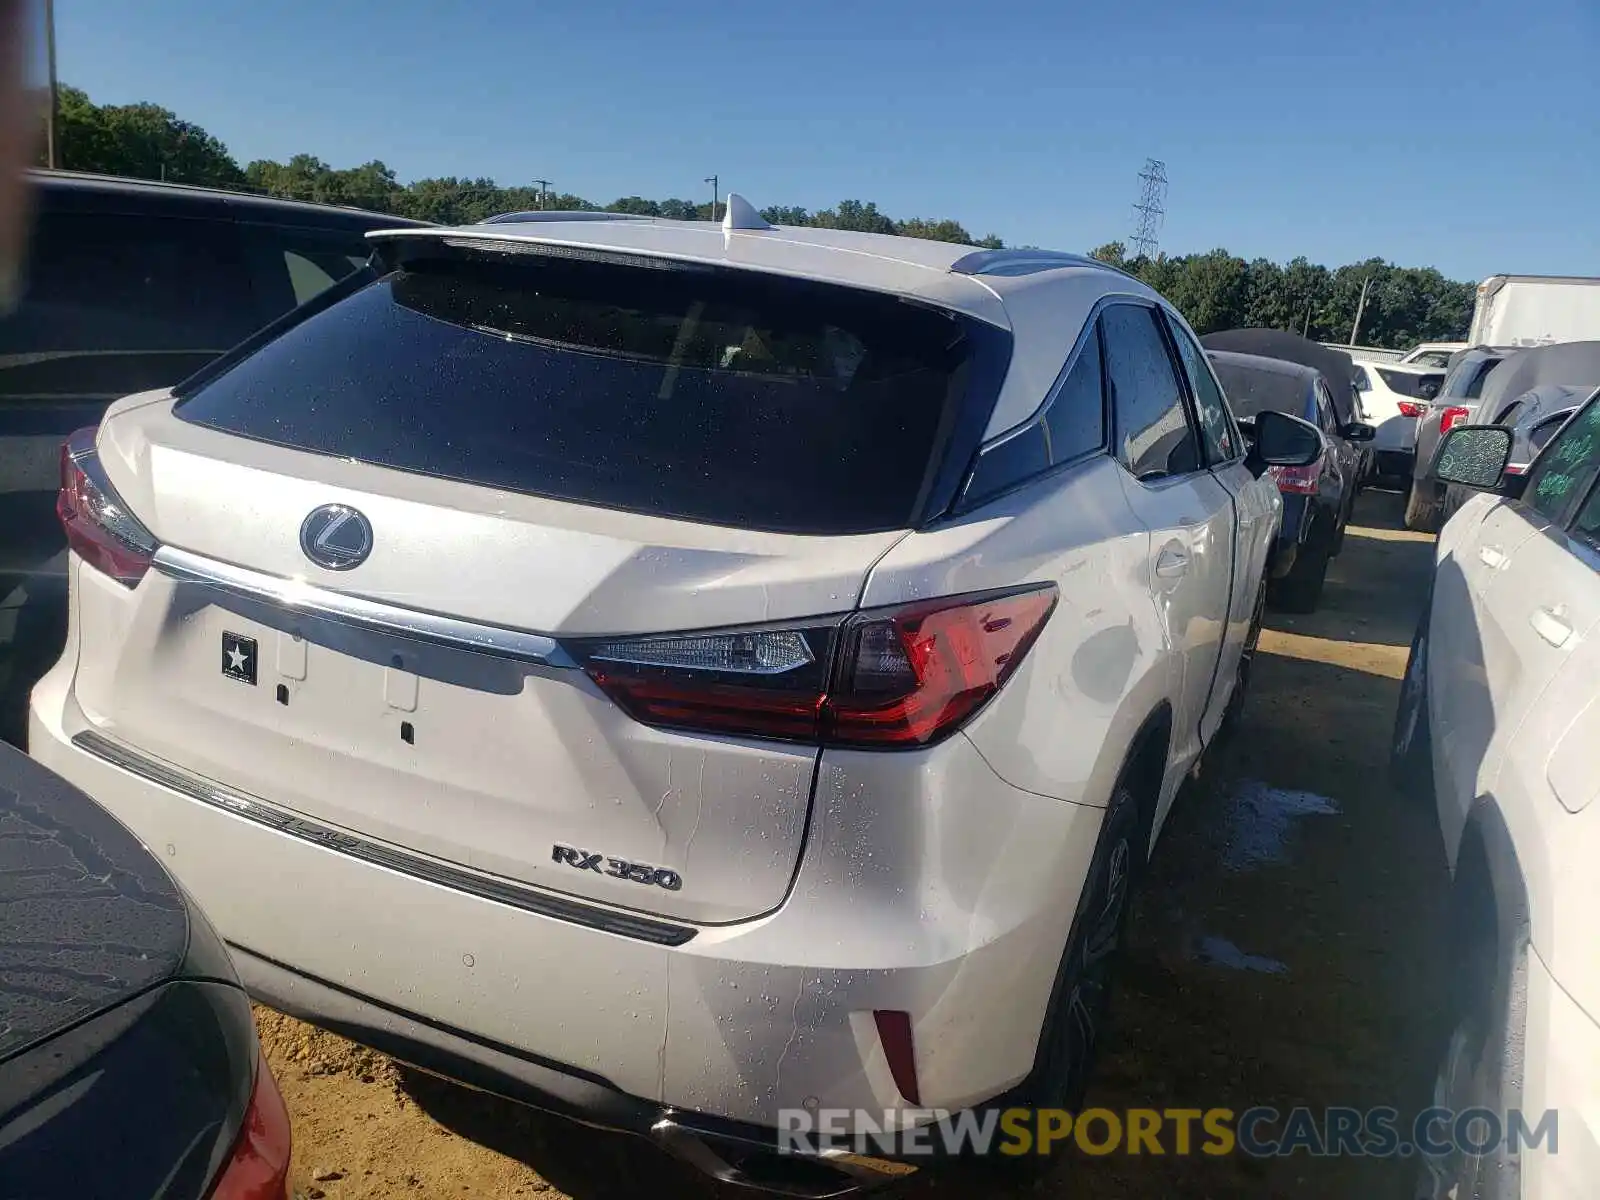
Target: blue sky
x=1456 y=133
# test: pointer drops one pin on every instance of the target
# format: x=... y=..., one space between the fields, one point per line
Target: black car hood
x=88 y=917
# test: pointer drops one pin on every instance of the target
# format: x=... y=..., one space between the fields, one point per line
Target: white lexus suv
x=674 y=673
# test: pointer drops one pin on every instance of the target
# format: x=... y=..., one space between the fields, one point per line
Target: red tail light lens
x=99 y=527
x=1451 y=417
x=1412 y=408
x=1297 y=481
x=895 y=678
x=258 y=1167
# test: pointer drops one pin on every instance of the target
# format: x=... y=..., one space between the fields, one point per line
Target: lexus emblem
x=337 y=537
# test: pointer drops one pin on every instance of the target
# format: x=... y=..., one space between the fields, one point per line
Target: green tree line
x=1216 y=290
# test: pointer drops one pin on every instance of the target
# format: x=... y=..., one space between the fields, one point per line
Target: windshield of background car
x=1252 y=390
x=723 y=397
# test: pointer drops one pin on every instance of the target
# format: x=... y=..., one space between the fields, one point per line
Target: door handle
x=1492 y=557
x=1550 y=627
x=1172 y=563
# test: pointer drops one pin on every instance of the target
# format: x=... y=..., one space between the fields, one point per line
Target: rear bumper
x=962 y=928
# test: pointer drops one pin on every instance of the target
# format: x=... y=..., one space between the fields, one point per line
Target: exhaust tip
x=749 y=1164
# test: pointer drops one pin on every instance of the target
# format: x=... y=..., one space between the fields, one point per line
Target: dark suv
x=131 y=286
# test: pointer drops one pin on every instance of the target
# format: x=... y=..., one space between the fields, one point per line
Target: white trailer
x=1535 y=310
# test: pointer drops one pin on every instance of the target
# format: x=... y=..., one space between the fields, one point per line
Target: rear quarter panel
x=1063 y=724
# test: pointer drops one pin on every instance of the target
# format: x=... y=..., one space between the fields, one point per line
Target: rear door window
x=119 y=303
x=1222 y=440
x=1154 y=437
x=722 y=397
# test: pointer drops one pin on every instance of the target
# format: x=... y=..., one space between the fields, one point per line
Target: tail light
x=1452 y=416
x=1412 y=408
x=258 y=1167
x=1297 y=481
x=1516 y=468
x=99 y=527
x=889 y=678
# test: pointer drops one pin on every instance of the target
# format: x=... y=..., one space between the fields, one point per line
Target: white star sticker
x=236 y=659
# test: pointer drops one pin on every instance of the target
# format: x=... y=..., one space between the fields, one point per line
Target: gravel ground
x=1284 y=952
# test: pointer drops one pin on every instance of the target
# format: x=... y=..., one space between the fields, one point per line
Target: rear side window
x=1154 y=437
x=728 y=398
x=118 y=303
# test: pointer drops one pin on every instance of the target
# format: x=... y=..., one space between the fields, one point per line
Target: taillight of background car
x=99 y=527
x=1452 y=416
x=1411 y=408
x=1297 y=481
x=258 y=1167
x=889 y=678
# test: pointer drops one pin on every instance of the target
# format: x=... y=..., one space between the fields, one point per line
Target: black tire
x=1079 y=1006
x=1479 y=1062
x=1300 y=591
x=1424 y=508
x=1411 y=743
x=1338 y=536
x=1241 y=684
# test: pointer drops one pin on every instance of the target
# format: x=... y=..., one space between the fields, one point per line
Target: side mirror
x=1279 y=440
x=1475 y=456
x=1358 y=431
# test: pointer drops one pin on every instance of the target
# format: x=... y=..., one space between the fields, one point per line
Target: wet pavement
x=1283 y=952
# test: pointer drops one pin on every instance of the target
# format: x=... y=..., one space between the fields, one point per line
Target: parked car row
x=1496 y=730
x=1525 y=388
x=721 y=498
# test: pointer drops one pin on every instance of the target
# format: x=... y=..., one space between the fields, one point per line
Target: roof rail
x=1024 y=262
x=555 y=214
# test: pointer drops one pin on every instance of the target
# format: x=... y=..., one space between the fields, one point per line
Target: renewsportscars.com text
x=1258 y=1132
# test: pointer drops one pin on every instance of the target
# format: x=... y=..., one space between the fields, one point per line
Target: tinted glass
x=124 y=303
x=291 y=264
x=1569 y=465
x=720 y=397
x=1540 y=435
x=1154 y=437
x=1358 y=375
x=1076 y=418
x=1252 y=390
x=1475 y=381
x=1216 y=426
x=1325 y=416
x=1587 y=525
x=1422 y=386
x=1009 y=463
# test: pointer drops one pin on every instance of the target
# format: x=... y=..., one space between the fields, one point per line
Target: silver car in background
x=1456 y=404
x=1535 y=418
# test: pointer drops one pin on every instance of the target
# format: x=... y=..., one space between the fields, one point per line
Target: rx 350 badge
x=617 y=868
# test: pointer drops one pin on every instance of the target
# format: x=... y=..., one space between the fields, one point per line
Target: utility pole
x=544 y=184
x=712 y=180
x=1361 y=306
x=51 y=155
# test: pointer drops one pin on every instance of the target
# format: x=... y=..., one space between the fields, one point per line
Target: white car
x=1392 y=398
x=1432 y=354
x=675 y=674
x=1499 y=720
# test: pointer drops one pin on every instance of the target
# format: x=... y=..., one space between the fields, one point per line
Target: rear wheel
x=1072 y=1029
x=1480 y=1064
x=1423 y=508
x=1300 y=591
x=1411 y=746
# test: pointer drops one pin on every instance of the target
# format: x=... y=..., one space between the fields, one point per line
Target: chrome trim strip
x=295 y=595
x=486 y=887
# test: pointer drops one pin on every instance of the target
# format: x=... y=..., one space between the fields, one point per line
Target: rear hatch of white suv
x=397 y=576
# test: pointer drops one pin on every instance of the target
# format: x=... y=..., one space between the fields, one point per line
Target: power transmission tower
x=1151 y=208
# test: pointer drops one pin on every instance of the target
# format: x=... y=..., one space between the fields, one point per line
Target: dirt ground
x=1283 y=952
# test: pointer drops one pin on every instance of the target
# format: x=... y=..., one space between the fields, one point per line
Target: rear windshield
x=1465 y=380
x=1421 y=386
x=724 y=397
x=1251 y=390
